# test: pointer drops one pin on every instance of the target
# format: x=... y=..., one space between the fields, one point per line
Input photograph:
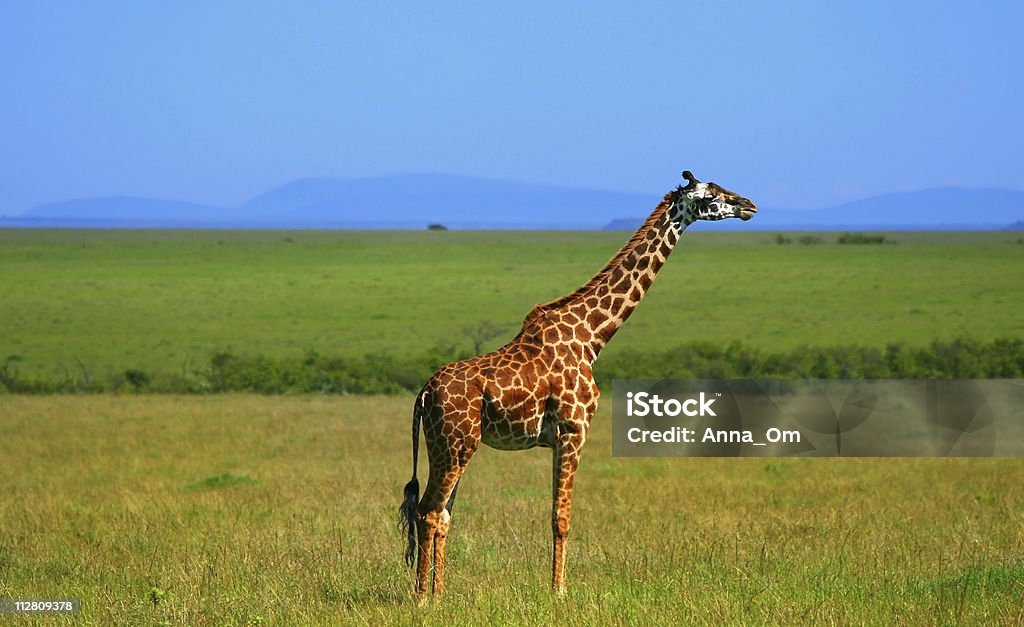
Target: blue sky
x=796 y=105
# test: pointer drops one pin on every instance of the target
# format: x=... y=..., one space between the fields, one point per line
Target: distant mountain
x=413 y=201
x=1016 y=226
x=624 y=224
x=948 y=208
x=404 y=201
x=438 y=198
x=124 y=211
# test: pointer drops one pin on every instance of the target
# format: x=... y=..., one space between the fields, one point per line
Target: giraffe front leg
x=566 y=460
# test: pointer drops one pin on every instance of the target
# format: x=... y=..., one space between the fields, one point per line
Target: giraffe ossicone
x=539 y=390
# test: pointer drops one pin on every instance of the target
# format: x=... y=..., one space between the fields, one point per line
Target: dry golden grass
x=246 y=510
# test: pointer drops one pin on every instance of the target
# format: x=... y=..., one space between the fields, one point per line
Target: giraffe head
x=709 y=201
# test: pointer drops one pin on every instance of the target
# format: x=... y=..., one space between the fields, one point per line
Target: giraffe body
x=539 y=389
x=507 y=401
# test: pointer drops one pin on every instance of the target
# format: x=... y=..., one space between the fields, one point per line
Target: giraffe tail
x=407 y=511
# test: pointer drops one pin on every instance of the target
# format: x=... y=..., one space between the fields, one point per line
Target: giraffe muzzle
x=747 y=208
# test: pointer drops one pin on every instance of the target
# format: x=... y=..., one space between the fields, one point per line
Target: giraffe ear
x=691 y=180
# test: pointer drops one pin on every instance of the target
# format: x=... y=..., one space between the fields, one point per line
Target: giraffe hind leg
x=434 y=519
x=441 y=536
x=451 y=499
x=426 y=527
x=432 y=524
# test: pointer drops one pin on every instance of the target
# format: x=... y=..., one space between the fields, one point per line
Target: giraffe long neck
x=593 y=313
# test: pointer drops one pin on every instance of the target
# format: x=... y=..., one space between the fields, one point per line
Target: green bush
x=860 y=238
x=136 y=378
x=311 y=372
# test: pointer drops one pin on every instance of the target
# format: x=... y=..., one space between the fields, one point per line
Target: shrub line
x=313 y=373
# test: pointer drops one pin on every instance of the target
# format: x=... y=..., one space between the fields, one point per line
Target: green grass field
x=235 y=510
x=241 y=509
x=163 y=301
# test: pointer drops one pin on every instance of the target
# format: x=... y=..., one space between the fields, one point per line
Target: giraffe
x=539 y=390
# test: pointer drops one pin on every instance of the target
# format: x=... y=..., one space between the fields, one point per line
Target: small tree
x=482 y=332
